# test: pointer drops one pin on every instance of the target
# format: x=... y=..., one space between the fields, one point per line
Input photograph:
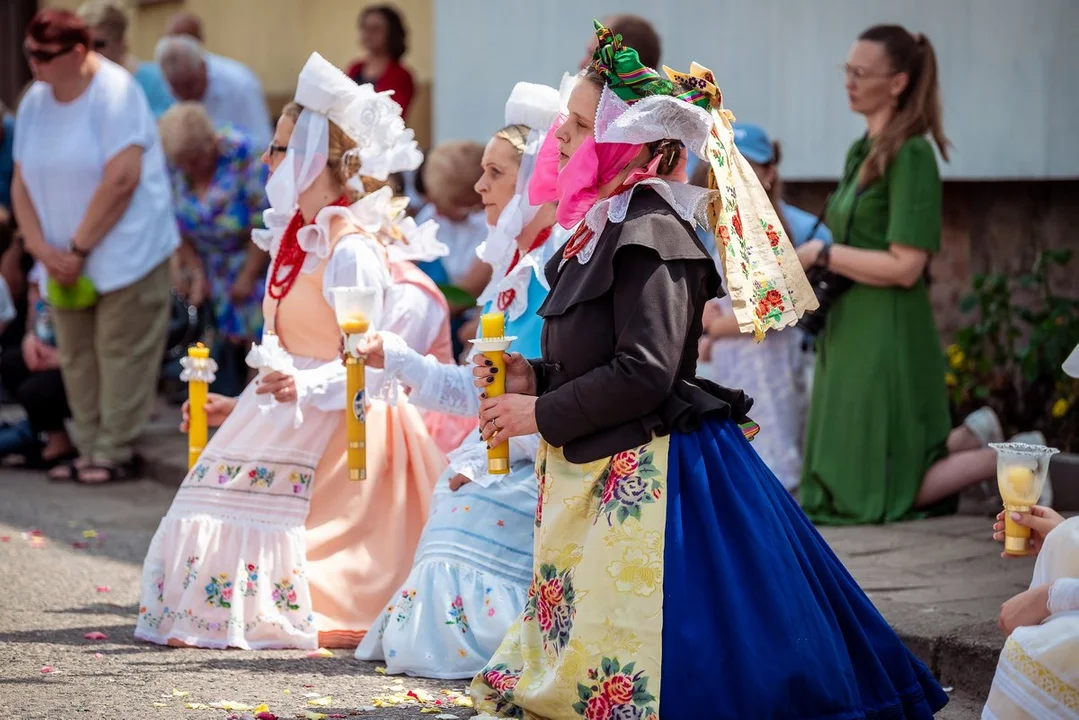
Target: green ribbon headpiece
x=631 y=80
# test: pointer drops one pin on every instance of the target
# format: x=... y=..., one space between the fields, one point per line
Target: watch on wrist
x=78 y=251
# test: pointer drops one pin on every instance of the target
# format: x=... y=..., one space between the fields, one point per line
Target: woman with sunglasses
x=92 y=198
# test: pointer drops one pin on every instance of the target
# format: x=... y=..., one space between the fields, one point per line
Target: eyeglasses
x=44 y=56
x=274 y=149
x=853 y=72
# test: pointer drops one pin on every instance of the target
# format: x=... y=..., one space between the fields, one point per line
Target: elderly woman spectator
x=384 y=38
x=108 y=30
x=91 y=196
x=218 y=185
x=231 y=93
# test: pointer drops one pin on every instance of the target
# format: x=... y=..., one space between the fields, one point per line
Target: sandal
x=120 y=472
x=66 y=469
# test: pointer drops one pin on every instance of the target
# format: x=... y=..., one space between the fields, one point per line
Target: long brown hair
x=919 y=109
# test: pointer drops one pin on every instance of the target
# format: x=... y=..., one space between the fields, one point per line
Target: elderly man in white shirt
x=230 y=92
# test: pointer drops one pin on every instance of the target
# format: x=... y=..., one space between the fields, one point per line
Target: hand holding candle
x=1021 y=475
x=198 y=372
x=356 y=309
x=493 y=345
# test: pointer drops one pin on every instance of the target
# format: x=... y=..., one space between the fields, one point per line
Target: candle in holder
x=493 y=345
x=198 y=373
x=355 y=309
x=1021 y=476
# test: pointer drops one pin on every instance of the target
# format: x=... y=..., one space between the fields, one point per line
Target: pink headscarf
x=593 y=165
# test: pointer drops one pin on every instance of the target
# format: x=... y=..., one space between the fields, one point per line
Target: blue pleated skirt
x=760 y=619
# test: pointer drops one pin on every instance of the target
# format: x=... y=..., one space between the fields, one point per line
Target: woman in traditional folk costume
x=674 y=577
x=474 y=561
x=1038 y=672
x=231 y=564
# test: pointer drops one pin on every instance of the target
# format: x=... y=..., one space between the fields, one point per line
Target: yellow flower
x=1061 y=408
x=637 y=572
x=956 y=359
x=950 y=379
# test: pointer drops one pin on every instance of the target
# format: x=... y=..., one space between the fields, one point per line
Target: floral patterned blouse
x=218 y=225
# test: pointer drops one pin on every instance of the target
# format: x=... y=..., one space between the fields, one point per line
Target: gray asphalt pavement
x=80 y=575
x=70 y=558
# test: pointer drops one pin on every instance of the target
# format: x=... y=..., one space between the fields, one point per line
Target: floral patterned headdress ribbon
x=765 y=280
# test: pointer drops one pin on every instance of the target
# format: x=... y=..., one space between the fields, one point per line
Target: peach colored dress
x=232 y=563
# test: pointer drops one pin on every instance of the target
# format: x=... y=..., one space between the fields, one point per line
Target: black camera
x=827 y=287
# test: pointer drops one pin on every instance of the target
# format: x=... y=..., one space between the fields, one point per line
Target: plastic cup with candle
x=493 y=344
x=1021 y=474
x=357 y=311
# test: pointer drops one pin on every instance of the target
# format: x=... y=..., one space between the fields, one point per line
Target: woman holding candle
x=470 y=576
x=1038 y=671
x=232 y=564
x=663 y=542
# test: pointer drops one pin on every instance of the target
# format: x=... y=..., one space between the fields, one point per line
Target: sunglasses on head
x=44 y=56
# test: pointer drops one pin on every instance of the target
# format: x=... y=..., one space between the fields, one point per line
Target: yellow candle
x=1019 y=490
x=197 y=394
x=356 y=418
x=493 y=326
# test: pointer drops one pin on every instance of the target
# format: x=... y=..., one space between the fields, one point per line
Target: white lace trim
x=1064 y=595
x=688 y=202
x=470 y=460
x=520 y=278
x=432 y=384
x=651 y=119
x=379 y=215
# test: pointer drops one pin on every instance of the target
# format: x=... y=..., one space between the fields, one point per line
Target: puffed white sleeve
x=353 y=263
x=470 y=459
x=432 y=385
x=414 y=316
x=1064 y=595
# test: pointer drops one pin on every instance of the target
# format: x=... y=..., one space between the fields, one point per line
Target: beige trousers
x=110 y=359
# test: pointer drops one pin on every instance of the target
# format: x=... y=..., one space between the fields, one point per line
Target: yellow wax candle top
x=355 y=324
x=493 y=325
x=1018 y=486
x=198 y=351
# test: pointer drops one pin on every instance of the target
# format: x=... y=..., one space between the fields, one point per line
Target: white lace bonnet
x=534 y=106
x=372 y=120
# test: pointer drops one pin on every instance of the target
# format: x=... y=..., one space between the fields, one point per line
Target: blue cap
x=753 y=143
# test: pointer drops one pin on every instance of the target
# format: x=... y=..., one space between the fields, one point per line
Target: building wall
x=1007 y=70
x=988 y=227
x=275 y=37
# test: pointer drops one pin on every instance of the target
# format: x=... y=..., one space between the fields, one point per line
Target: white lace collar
x=689 y=202
x=512 y=286
x=376 y=214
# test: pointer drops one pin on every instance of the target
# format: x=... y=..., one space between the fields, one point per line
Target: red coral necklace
x=290 y=256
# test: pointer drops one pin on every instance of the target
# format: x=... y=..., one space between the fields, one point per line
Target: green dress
x=879 y=415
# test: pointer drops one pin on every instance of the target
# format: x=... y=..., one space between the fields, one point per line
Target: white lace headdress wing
x=535 y=107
